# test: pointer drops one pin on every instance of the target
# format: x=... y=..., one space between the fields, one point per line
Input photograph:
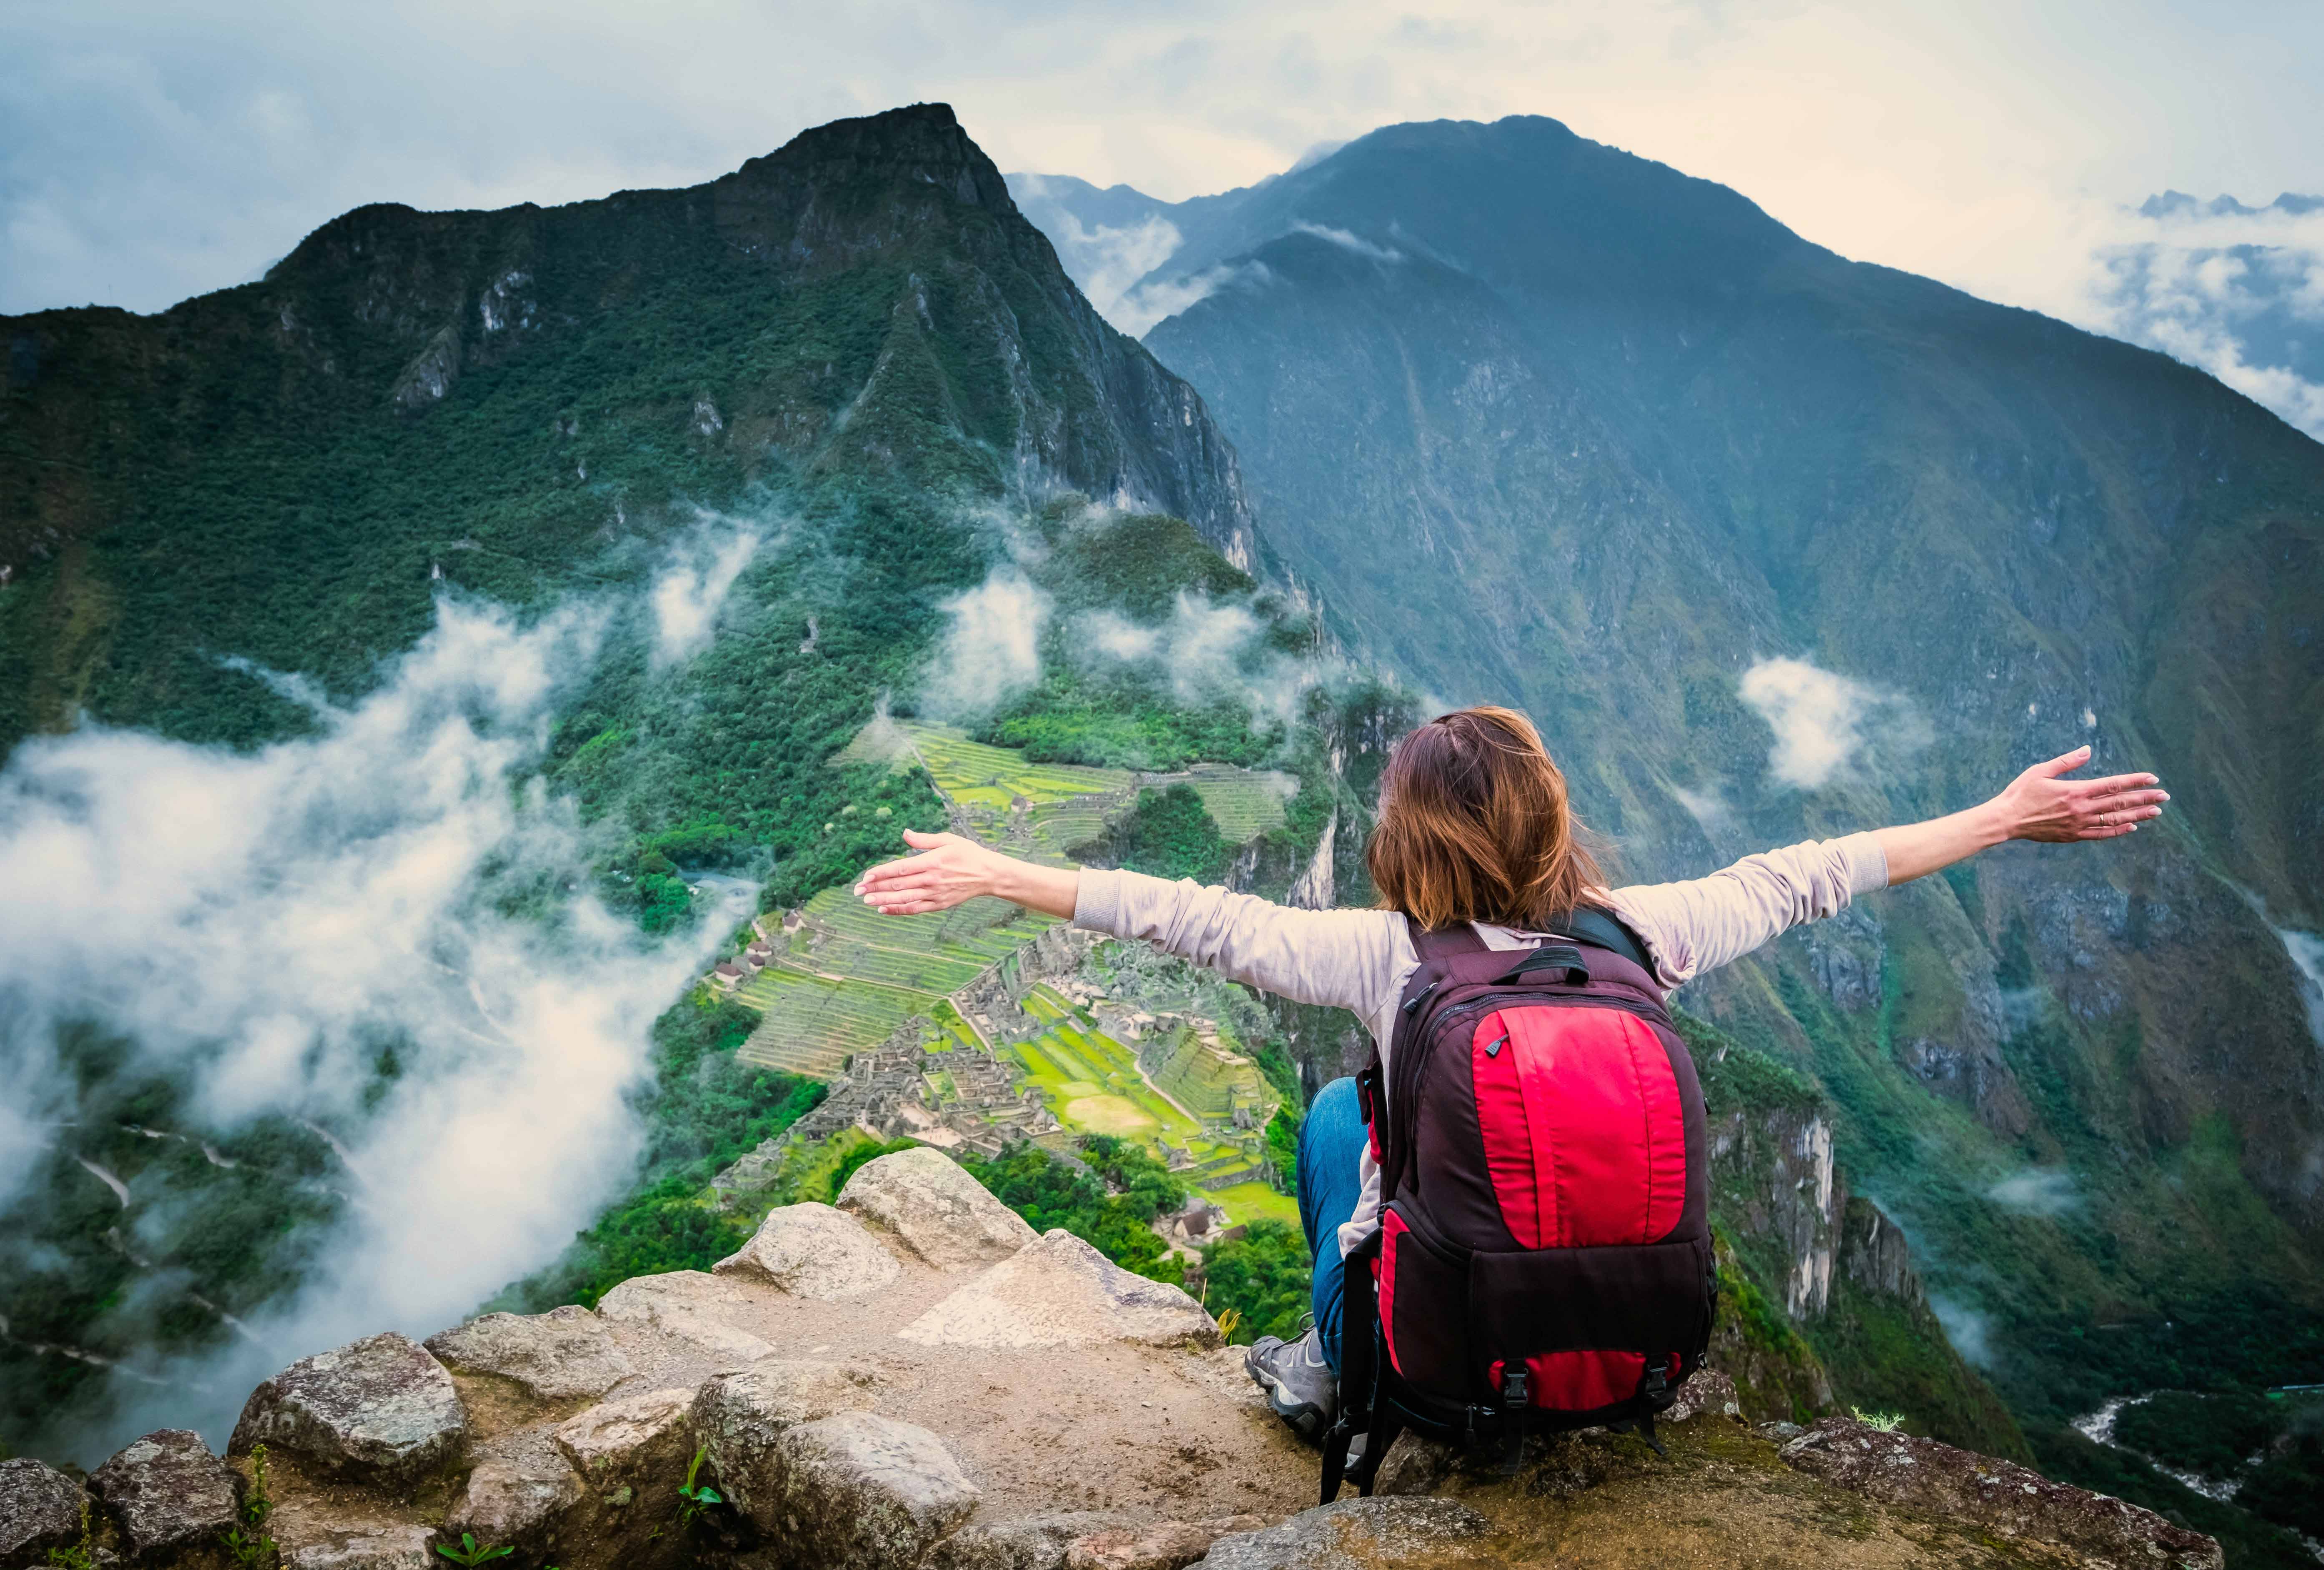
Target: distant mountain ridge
x=1537 y=420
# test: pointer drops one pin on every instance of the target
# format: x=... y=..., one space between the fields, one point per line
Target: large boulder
x=562 y=1355
x=517 y=1501
x=692 y=1307
x=1360 y=1534
x=614 y=1443
x=1060 y=1291
x=166 y=1491
x=1029 y=1543
x=939 y=1210
x=379 y=1410
x=860 y=1491
x=382 y=1547
x=738 y=1417
x=1996 y=1496
x=813 y=1251
x=40 y=1509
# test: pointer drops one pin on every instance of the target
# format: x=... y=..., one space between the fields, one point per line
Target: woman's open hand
x=944 y=870
x=2039 y=804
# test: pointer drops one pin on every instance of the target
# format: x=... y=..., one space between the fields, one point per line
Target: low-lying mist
x=382 y=930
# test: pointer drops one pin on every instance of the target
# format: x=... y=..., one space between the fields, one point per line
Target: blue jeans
x=1329 y=1142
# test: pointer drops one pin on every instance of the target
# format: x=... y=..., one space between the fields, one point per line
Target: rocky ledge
x=913 y=1378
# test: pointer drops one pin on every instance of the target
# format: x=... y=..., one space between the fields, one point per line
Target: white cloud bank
x=688 y=595
x=992 y=651
x=1823 y=722
x=266 y=921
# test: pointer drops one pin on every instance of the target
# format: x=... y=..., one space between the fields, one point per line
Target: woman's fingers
x=2064 y=763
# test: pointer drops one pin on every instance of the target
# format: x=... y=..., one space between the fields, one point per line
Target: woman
x=1474 y=827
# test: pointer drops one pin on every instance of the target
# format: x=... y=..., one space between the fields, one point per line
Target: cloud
x=1205 y=650
x=992 y=649
x=1970 y=1330
x=1709 y=810
x=2042 y=1191
x=1157 y=300
x=1105 y=259
x=1824 y=721
x=1348 y=241
x=262 y=923
x=688 y=595
x=2307 y=952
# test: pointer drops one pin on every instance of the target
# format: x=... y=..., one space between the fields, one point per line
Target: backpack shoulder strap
x=1601 y=928
x=1444 y=942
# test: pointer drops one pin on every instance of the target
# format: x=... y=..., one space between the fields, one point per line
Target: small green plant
x=694 y=1499
x=471 y=1552
x=1886 y=1422
x=81 y=1556
x=1228 y=1319
x=246 y=1542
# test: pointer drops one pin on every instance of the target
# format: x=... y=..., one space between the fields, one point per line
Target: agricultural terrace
x=1091 y=1085
x=845 y=977
x=848 y=976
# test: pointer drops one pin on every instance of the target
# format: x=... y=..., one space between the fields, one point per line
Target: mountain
x=1775 y=544
x=863 y=308
x=381 y=627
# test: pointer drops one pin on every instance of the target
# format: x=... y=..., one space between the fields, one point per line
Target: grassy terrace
x=1244 y=804
x=849 y=975
x=1091 y=1084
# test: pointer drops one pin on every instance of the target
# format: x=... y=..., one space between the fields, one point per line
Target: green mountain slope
x=1543 y=423
x=853 y=354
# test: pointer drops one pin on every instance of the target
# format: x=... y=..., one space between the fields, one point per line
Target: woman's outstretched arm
x=946 y=870
x=2039 y=804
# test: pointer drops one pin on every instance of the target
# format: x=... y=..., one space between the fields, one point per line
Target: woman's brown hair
x=1474 y=826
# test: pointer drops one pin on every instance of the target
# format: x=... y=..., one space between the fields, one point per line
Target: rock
x=1707 y=1390
x=557 y=1356
x=382 y=1409
x=812 y=1251
x=167 y=1489
x=1360 y=1534
x=1998 y=1496
x=383 y=1548
x=860 y=1491
x=1413 y=1465
x=617 y=1442
x=515 y=1501
x=1033 y=1542
x=739 y=1417
x=1170 y=1545
x=40 y=1509
x=939 y=1210
x=1060 y=1291
x=692 y=1305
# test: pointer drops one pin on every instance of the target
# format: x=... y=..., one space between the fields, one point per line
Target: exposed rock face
x=1035 y=1543
x=813 y=1251
x=516 y=1500
x=939 y=1211
x=1060 y=1291
x=615 y=1442
x=1707 y=1391
x=403 y=1548
x=1998 y=1496
x=560 y=1355
x=40 y=1509
x=382 y=1409
x=858 y=1491
x=692 y=1305
x=166 y=1491
x=1359 y=1534
x=739 y=1417
x=1171 y=1545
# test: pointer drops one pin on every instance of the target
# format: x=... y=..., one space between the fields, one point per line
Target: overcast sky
x=150 y=151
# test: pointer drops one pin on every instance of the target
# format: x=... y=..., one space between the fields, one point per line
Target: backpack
x=1543 y=1261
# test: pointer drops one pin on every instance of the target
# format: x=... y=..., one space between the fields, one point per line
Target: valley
x=832 y=979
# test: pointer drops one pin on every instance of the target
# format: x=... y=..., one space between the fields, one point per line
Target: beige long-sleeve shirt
x=1360 y=960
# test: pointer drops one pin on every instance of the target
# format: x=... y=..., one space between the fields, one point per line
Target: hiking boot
x=1299 y=1384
